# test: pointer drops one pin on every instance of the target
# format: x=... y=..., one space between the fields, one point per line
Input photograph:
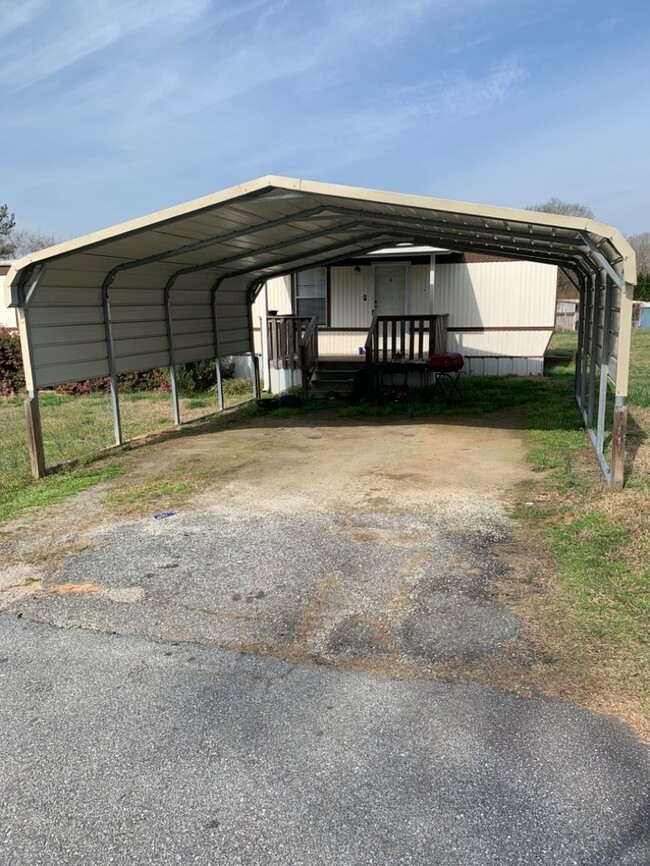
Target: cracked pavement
x=272 y=678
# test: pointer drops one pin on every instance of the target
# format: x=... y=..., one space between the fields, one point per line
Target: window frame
x=296 y=297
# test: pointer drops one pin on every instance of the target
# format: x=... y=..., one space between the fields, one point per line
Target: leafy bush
x=196 y=377
x=127 y=383
x=199 y=376
x=237 y=387
x=12 y=376
x=642 y=290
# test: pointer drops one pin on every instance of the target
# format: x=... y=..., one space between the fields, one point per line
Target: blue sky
x=115 y=108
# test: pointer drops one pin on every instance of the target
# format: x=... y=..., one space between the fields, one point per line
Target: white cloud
x=62 y=34
x=15 y=15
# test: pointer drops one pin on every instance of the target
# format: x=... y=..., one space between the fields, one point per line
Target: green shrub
x=237 y=387
x=642 y=288
x=12 y=376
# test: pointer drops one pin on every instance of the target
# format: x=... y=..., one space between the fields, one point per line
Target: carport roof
x=276 y=225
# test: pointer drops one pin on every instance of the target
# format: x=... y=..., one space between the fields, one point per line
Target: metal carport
x=177 y=285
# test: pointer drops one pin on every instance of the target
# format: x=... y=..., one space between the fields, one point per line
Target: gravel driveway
x=276 y=672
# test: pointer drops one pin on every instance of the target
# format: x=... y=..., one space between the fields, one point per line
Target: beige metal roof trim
x=107 y=299
x=363 y=216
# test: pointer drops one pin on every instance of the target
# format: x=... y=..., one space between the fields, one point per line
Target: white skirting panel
x=490 y=366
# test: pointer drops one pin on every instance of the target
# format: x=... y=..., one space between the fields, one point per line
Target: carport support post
x=581 y=342
x=622 y=375
x=26 y=290
x=35 y=435
x=255 y=362
x=606 y=284
x=584 y=355
x=171 y=354
x=595 y=307
x=215 y=338
x=110 y=352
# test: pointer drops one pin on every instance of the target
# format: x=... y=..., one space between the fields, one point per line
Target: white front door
x=390 y=290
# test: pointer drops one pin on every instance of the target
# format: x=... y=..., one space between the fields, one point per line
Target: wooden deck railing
x=293 y=345
x=309 y=354
x=411 y=338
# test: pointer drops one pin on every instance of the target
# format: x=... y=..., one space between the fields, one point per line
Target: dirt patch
x=352 y=507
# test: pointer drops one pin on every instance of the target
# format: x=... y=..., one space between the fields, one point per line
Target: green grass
x=158 y=494
x=563 y=345
x=52 y=489
x=639 y=391
x=77 y=428
x=598 y=613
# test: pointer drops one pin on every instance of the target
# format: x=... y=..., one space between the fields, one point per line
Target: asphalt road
x=125 y=750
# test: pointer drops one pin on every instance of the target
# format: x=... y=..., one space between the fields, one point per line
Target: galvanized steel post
x=604 y=362
x=110 y=354
x=215 y=338
x=170 y=350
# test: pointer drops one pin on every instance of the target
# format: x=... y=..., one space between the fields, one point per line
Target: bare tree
x=641 y=245
x=28 y=242
x=565 y=288
x=7 y=222
x=563 y=208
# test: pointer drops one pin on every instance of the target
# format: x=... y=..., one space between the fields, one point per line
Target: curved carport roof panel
x=176 y=286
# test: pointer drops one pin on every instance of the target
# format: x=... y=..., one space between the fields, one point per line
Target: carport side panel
x=624 y=346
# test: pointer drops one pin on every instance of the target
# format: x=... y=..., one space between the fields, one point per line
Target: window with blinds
x=311 y=294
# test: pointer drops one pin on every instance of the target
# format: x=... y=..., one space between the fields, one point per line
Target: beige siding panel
x=348 y=288
x=229 y=299
x=94 y=263
x=154 y=275
x=8 y=317
x=189 y=314
x=513 y=344
x=138 y=330
x=227 y=322
x=235 y=343
x=69 y=371
x=186 y=341
x=137 y=314
x=189 y=298
x=67 y=297
x=133 y=348
x=141 y=361
x=279 y=298
x=195 y=353
x=496 y=294
x=419 y=290
x=137 y=297
x=65 y=316
x=192 y=326
x=46 y=356
x=62 y=278
x=239 y=312
x=279 y=295
x=341 y=343
x=62 y=335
